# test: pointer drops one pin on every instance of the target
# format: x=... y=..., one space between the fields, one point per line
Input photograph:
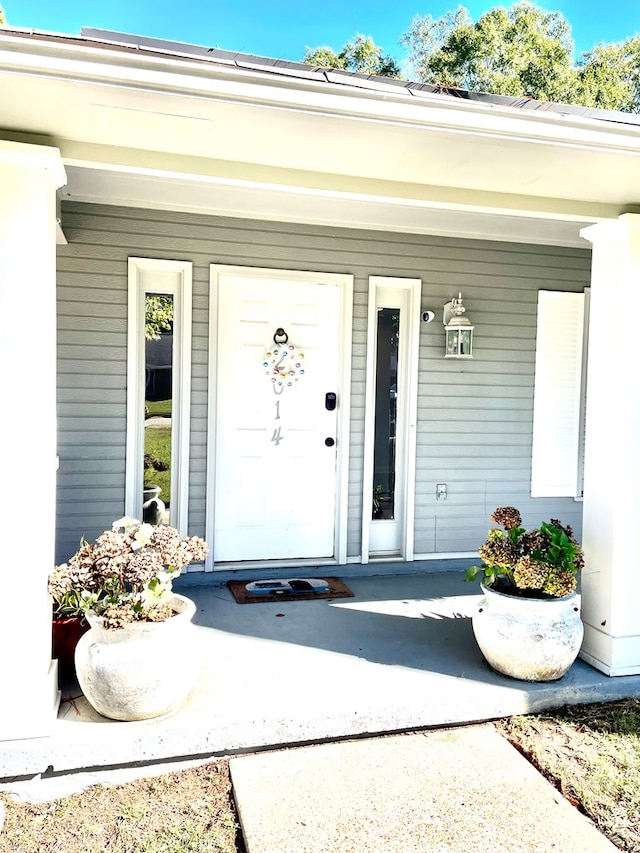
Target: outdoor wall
x=474 y=417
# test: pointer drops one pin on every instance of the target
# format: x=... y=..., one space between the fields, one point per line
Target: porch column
x=29 y=177
x=611 y=522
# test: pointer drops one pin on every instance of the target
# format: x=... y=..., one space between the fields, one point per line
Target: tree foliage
x=3 y=17
x=609 y=76
x=361 y=55
x=158 y=315
x=523 y=51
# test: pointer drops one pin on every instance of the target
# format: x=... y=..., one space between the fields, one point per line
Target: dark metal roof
x=300 y=71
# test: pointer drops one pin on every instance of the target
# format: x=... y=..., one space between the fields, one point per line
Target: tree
x=158 y=315
x=523 y=51
x=361 y=55
x=3 y=17
x=518 y=51
x=609 y=76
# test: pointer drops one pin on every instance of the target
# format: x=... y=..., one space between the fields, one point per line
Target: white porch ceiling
x=330 y=208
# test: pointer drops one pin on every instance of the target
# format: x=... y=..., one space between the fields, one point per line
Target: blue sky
x=282 y=28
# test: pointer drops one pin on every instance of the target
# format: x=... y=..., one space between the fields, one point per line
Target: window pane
x=157 y=409
x=384 y=453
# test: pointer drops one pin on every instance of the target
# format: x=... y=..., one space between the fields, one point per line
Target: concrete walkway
x=464 y=790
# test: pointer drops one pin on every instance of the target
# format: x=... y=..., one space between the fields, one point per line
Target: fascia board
x=265 y=90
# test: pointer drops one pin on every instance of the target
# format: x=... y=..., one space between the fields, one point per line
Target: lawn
x=592 y=754
x=191 y=811
x=158 y=407
x=157 y=447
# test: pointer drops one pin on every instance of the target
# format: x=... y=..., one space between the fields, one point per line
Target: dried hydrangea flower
x=197 y=548
x=118 y=615
x=60 y=581
x=530 y=574
x=127 y=572
x=507 y=516
x=156 y=613
x=175 y=551
x=141 y=568
x=559 y=582
x=498 y=552
x=167 y=542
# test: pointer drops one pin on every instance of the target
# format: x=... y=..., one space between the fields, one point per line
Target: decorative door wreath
x=283 y=362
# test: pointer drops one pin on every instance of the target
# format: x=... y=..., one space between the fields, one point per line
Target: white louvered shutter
x=557 y=407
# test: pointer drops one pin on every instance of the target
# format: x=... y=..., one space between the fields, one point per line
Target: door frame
x=345 y=285
x=409 y=290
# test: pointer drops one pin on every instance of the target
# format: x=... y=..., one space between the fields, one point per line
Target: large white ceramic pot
x=141 y=671
x=528 y=638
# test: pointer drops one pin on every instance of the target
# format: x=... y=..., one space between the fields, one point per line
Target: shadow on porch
x=399 y=655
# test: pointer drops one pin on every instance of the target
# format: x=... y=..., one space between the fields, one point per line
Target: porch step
x=463 y=790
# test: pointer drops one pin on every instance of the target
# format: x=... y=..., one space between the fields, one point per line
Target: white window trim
x=140 y=274
x=558 y=408
x=345 y=283
x=411 y=288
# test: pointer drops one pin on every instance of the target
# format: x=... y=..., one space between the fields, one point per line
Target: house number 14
x=277 y=432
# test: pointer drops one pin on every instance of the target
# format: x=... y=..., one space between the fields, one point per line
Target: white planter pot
x=141 y=671
x=528 y=638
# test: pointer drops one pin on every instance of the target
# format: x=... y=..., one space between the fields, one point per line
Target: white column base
x=611 y=655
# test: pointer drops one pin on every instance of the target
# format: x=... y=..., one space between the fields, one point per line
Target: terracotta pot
x=141 y=671
x=531 y=639
x=66 y=632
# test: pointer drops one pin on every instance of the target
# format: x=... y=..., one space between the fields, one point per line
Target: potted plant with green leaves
x=138 y=660
x=528 y=623
x=67 y=626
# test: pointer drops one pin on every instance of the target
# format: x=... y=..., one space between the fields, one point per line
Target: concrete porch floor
x=400 y=655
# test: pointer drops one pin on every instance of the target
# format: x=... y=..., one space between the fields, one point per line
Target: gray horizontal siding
x=474 y=418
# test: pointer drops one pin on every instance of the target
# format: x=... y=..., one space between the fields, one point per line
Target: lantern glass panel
x=465 y=341
x=452 y=342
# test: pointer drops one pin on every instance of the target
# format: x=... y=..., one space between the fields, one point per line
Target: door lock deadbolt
x=330 y=401
x=329 y=441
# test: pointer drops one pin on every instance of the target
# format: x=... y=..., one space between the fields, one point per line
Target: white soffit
x=320 y=207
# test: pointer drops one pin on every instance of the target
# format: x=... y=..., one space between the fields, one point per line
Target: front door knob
x=329 y=442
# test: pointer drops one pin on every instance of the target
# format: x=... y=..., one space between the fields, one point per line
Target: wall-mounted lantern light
x=458 y=330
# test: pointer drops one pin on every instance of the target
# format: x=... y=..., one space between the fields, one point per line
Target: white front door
x=276 y=420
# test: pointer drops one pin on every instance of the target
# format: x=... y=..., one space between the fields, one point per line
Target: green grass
x=158 y=407
x=157 y=443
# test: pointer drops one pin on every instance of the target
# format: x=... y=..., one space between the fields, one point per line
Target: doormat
x=291 y=589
